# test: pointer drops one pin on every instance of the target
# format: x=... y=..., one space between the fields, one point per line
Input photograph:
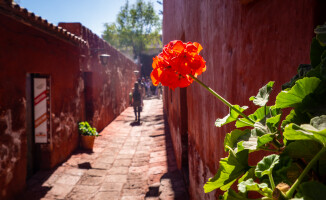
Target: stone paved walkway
x=129 y=162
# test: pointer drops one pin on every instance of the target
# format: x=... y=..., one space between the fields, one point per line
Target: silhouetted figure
x=137 y=101
x=142 y=90
x=148 y=87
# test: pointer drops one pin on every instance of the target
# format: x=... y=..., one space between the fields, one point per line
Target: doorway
x=38 y=119
x=88 y=91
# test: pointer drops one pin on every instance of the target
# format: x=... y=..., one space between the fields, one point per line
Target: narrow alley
x=129 y=161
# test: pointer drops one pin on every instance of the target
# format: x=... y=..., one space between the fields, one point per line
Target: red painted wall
x=245 y=46
x=26 y=48
x=110 y=85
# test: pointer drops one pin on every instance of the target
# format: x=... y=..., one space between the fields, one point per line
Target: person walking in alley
x=142 y=91
x=148 y=87
x=137 y=101
x=142 y=87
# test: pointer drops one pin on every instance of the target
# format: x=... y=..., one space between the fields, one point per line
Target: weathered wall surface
x=177 y=108
x=81 y=88
x=245 y=46
x=26 y=50
x=107 y=87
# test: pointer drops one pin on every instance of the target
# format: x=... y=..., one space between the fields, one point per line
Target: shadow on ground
x=135 y=123
x=172 y=184
x=35 y=189
x=38 y=186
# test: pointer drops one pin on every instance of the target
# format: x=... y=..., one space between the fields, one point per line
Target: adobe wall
x=109 y=87
x=81 y=89
x=177 y=114
x=25 y=50
x=245 y=46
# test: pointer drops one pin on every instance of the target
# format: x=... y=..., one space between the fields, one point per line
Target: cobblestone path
x=129 y=162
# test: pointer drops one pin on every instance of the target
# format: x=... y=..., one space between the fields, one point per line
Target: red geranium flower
x=172 y=66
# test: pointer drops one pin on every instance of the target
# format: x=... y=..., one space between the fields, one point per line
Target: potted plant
x=88 y=135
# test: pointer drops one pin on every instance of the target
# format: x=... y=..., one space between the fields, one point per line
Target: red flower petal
x=172 y=66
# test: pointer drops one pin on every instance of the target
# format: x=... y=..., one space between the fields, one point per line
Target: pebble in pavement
x=129 y=162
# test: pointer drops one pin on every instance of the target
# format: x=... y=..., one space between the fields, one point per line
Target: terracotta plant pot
x=87 y=142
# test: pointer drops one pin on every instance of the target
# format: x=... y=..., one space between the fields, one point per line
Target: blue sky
x=91 y=13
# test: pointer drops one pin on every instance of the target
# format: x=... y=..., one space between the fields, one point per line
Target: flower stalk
x=271 y=180
x=290 y=192
x=221 y=99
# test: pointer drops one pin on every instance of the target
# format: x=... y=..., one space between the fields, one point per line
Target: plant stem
x=221 y=98
x=249 y=124
x=271 y=180
x=289 y=193
x=275 y=143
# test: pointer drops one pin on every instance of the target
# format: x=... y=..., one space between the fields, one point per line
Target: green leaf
x=257 y=116
x=232 y=138
x=294 y=149
x=86 y=129
x=273 y=122
x=307 y=131
x=313 y=190
x=250 y=185
x=232 y=116
x=249 y=141
x=231 y=168
x=303 y=70
x=266 y=165
x=319 y=71
x=319 y=122
x=296 y=117
x=273 y=111
x=316 y=51
x=321 y=34
x=232 y=195
x=264 y=139
x=280 y=170
x=249 y=144
x=297 y=93
x=293 y=173
x=249 y=174
x=263 y=94
x=260 y=129
x=254 y=140
x=314 y=104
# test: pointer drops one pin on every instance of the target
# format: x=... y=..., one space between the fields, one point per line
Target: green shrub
x=86 y=129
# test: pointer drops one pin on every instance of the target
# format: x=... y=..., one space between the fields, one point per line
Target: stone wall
x=81 y=89
x=245 y=46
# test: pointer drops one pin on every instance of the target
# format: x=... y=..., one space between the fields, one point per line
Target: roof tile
x=30 y=17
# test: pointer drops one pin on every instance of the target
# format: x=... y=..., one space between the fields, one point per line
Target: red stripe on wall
x=40 y=97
